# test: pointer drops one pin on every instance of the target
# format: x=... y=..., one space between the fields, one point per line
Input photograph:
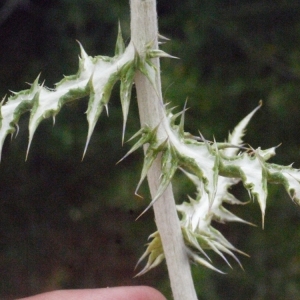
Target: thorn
x=28 y=147
x=18 y=129
x=85 y=149
x=140 y=215
x=162 y=37
x=2 y=101
x=106 y=108
x=120 y=160
x=144 y=211
x=123 y=133
x=148 y=207
x=83 y=54
x=127 y=154
x=87 y=143
x=139 y=195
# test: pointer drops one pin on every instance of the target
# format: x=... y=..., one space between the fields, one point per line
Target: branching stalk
x=144 y=30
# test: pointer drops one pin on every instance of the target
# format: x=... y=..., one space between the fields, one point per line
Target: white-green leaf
x=95 y=78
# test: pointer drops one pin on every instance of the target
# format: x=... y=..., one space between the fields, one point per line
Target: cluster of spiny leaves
x=213 y=167
x=95 y=78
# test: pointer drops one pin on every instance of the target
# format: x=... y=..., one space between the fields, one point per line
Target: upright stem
x=144 y=29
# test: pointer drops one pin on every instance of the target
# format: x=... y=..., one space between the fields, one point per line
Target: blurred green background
x=71 y=224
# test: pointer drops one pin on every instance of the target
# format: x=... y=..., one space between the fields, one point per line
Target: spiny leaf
x=95 y=77
x=106 y=73
x=16 y=105
x=155 y=252
x=203 y=159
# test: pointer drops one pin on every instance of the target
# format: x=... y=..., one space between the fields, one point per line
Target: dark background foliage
x=70 y=224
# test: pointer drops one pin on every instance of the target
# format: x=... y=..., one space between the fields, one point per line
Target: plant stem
x=144 y=29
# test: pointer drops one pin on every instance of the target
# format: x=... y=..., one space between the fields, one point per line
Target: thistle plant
x=184 y=232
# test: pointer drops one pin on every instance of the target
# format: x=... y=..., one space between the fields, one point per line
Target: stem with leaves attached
x=144 y=30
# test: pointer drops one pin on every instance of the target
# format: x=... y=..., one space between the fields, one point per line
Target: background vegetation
x=70 y=224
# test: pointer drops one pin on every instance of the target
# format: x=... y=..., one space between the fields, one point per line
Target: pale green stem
x=144 y=29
